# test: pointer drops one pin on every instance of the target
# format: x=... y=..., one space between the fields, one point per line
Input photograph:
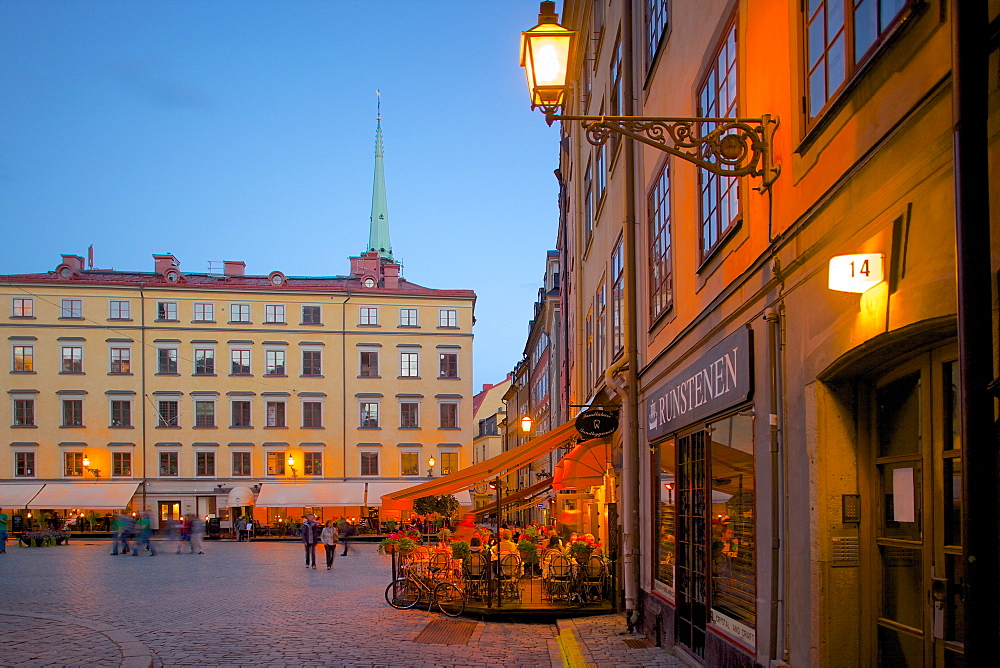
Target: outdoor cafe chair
x=592 y=577
x=559 y=582
x=510 y=576
x=438 y=567
x=477 y=573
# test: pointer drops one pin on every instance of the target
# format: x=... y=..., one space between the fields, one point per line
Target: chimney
x=164 y=262
x=233 y=268
x=390 y=275
x=74 y=262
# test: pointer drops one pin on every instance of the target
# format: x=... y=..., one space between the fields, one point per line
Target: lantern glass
x=86 y=460
x=545 y=56
x=291 y=461
x=431 y=462
x=526 y=424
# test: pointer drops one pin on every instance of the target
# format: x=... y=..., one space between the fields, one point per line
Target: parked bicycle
x=405 y=592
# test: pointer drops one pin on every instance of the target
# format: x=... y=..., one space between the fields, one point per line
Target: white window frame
x=249 y=355
x=30 y=346
x=409 y=400
x=448 y=317
x=368 y=316
x=159 y=462
x=364 y=401
x=119 y=345
x=215 y=463
x=71 y=308
x=62 y=357
x=404 y=364
x=167 y=311
x=302 y=313
x=362 y=350
x=378 y=463
x=112 y=398
x=322 y=411
x=240 y=307
x=124 y=312
x=409 y=451
x=205 y=348
x=408 y=314
x=232 y=468
x=243 y=398
x=209 y=399
x=203 y=312
x=24 y=449
x=25 y=301
x=279 y=461
x=272 y=351
x=274 y=314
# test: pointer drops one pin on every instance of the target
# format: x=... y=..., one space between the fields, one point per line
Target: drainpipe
x=630 y=444
x=776 y=420
x=142 y=387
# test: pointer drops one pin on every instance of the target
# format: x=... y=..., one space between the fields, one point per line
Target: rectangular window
x=240 y=363
x=666 y=545
x=274 y=313
x=600 y=332
x=72 y=308
x=369 y=365
x=166 y=310
x=241 y=414
x=168 y=463
x=73 y=464
x=204 y=413
x=204 y=463
x=448 y=365
x=449 y=462
x=24 y=464
x=588 y=333
x=119 y=309
x=617 y=92
x=588 y=203
x=660 y=272
x=274 y=362
x=409 y=463
x=407 y=317
x=121 y=360
x=72 y=412
x=239 y=313
x=618 y=298
x=312 y=463
x=369 y=414
x=276 y=463
x=840 y=37
x=448 y=317
x=409 y=365
x=24 y=359
x=311 y=315
x=449 y=416
x=657 y=15
x=167 y=413
x=600 y=174
x=166 y=360
x=121 y=413
x=312 y=413
x=368 y=315
x=241 y=464
x=22 y=307
x=121 y=464
x=717 y=98
x=24 y=412
x=369 y=463
x=275 y=414
x=204 y=361
x=204 y=312
x=72 y=359
x=409 y=415
x=312 y=363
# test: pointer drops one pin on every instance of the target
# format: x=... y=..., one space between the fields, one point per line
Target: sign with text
x=597 y=423
x=856 y=273
x=720 y=378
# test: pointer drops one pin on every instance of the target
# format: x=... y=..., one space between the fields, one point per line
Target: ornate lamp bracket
x=723 y=146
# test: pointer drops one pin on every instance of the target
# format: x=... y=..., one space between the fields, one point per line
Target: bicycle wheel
x=402 y=594
x=450 y=599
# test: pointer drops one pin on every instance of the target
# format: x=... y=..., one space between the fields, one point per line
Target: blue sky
x=244 y=130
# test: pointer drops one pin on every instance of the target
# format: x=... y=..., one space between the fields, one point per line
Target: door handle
x=939 y=595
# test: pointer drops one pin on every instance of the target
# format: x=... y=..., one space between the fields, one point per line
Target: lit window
x=276 y=463
x=409 y=463
x=73 y=464
x=449 y=462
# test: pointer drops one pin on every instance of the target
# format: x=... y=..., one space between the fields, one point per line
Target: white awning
x=240 y=497
x=17 y=495
x=325 y=494
x=103 y=495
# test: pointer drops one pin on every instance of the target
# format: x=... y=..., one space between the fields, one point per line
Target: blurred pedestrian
x=120 y=527
x=241 y=529
x=145 y=529
x=197 y=534
x=329 y=537
x=184 y=528
x=310 y=537
x=4 y=518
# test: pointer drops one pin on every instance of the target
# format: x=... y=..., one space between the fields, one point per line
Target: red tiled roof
x=218 y=281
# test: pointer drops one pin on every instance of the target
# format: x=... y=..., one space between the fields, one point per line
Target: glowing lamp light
x=526 y=424
x=291 y=460
x=431 y=461
x=546 y=50
x=86 y=461
x=856 y=273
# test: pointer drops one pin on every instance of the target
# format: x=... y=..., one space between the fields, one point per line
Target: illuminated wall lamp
x=856 y=273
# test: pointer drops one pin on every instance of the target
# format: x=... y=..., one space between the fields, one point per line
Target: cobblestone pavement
x=254 y=604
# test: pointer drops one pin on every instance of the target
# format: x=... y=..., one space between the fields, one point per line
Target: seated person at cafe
x=475 y=545
x=506 y=544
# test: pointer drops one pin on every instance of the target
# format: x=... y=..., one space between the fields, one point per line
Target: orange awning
x=516 y=496
x=468 y=477
x=584 y=466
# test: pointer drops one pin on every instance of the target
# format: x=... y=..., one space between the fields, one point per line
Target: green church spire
x=378 y=236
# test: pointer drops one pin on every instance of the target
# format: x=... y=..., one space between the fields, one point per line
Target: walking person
x=145 y=529
x=241 y=529
x=329 y=537
x=346 y=531
x=122 y=528
x=310 y=537
x=4 y=518
x=197 y=534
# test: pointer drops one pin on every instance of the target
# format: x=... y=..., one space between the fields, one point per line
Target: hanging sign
x=856 y=273
x=597 y=423
x=719 y=379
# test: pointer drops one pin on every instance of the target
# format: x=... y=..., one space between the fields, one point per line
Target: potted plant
x=528 y=551
x=460 y=550
x=390 y=526
x=444 y=535
x=582 y=548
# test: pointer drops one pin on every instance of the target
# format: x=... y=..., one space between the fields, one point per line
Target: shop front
x=702 y=584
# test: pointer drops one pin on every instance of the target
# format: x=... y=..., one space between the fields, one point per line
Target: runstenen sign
x=720 y=378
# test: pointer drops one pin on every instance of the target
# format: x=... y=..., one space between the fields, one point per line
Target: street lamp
x=723 y=146
x=291 y=465
x=526 y=424
x=86 y=465
x=430 y=463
